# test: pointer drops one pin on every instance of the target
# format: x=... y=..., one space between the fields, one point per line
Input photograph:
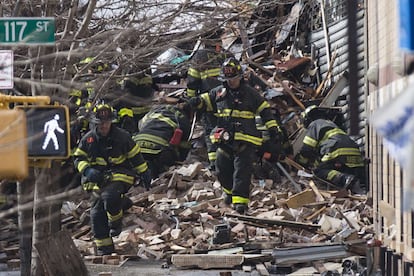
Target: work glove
x=93 y=175
x=146 y=179
x=89 y=186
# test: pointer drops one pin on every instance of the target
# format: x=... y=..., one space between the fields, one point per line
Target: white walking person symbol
x=50 y=127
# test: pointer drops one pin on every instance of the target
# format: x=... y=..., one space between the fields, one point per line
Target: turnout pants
x=234 y=167
x=106 y=211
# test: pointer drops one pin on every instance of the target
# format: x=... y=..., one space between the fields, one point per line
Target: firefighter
x=202 y=76
x=164 y=137
x=109 y=161
x=134 y=100
x=330 y=152
x=235 y=105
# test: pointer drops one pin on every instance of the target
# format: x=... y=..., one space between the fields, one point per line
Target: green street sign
x=27 y=30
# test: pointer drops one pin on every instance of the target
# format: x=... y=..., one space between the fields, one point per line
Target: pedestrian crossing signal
x=47 y=131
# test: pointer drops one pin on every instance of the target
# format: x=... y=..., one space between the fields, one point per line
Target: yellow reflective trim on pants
x=332 y=174
x=115 y=217
x=248 y=138
x=229 y=192
x=310 y=141
x=212 y=156
x=82 y=165
x=123 y=178
x=142 y=168
x=103 y=242
x=239 y=199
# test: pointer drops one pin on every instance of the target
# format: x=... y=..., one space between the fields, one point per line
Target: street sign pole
x=27 y=31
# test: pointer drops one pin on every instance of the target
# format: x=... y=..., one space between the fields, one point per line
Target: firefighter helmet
x=103 y=113
x=313 y=112
x=230 y=69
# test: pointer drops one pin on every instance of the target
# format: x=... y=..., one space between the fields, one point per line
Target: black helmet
x=313 y=112
x=103 y=113
x=231 y=68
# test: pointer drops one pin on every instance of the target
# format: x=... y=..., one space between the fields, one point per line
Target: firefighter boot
x=116 y=228
x=240 y=208
x=105 y=250
x=352 y=183
x=126 y=203
x=227 y=198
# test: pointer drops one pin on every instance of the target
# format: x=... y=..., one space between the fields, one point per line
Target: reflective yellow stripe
x=332 y=174
x=210 y=73
x=139 y=110
x=263 y=106
x=227 y=191
x=332 y=132
x=236 y=113
x=239 y=199
x=117 y=160
x=150 y=151
x=115 y=217
x=248 y=138
x=302 y=160
x=212 y=156
x=194 y=73
x=163 y=119
x=191 y=92
x=82 y=166
x=123 y=178
x=206 y=98
x=310 y=142
x=100 y=161
x=152 y=138
x=80 y=152
x=340 y=152
x=142 y=168
x=125 y=112
x=103 y=242
x=134 y=151
x=271 y=123
x=213 y=139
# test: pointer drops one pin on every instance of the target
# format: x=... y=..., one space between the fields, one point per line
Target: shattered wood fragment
x=300 y=199
x=206 y=261
x=274 y=222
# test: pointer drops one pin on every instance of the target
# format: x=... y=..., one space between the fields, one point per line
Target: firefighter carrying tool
x=107 y=150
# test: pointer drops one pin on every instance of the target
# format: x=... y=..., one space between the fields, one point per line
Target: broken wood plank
x=273 y=222
x=206 y=261
x=300 y=199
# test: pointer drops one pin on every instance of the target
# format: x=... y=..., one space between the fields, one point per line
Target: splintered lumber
x=273 y=222
x=300 y=199
x=59 y=256
x=207 y=261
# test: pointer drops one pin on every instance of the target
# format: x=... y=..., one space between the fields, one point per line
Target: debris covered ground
x=294 y=221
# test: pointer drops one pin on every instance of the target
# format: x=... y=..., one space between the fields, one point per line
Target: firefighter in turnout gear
x=330 y=152
x=109 y=161
x=134 y=100
x=235 y=105
x=163 y=137
x=202 y=76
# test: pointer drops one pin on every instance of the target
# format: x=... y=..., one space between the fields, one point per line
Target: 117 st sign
x=27 y=30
